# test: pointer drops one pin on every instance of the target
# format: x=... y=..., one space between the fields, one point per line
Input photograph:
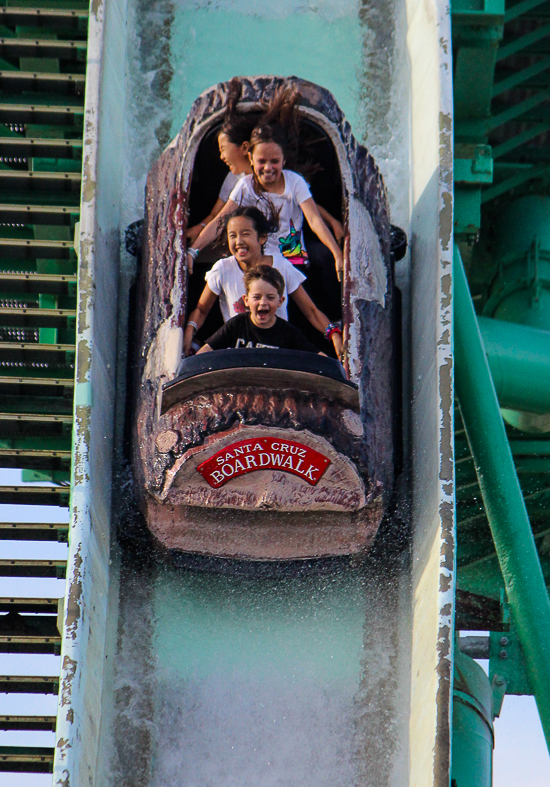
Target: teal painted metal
x=473 y=736
x=502 y=497
x=521 y=291
x=519 y=360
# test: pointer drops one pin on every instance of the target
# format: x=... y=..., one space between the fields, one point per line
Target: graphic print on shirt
x=239 y=306
x=291 y=246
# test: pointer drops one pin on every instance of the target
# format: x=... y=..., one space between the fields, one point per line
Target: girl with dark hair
x=272 y=142
x=233 y=140
x=247 y=231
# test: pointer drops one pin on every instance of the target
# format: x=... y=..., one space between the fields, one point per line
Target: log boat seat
x=267 y=368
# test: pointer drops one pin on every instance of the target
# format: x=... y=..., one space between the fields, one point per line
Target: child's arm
x=194 y=232
x=319 y=227
x=197 y=317
x=204 y=349
x=316 y=317
x=331 y=222
x=209 y=233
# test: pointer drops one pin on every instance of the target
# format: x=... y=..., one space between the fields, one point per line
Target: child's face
x=267 y=162
x=235 y=156
x=244 y=242
x=263 y=300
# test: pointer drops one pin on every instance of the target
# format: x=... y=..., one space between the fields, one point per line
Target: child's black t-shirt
x=241 y=332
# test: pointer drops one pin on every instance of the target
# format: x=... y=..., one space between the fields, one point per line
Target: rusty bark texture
x=162 y=258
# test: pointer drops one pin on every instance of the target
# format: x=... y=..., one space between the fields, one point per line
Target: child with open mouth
x=260 y=327
x=246 y=231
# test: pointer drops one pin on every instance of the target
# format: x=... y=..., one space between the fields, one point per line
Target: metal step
x=24 y=684
x=38 y=459
x=29 y=633
x=12 y=48
x=43 y=382
x=59 y=182
x=43 y=418
x=51 y=18
x=34 y=531
x=38 y=318
x=27 y=248
x=41 y=148
x=67 y=115
x=39 y=645
x=28 y=352
x=33 y=568
x=46 y=723
x=42 y=606
x=39 y=214
x=35 y=495
x=42 y=82
x=43 y=283
x=30 y=759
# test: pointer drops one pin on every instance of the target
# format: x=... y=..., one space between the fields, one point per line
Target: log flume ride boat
x=265 y=455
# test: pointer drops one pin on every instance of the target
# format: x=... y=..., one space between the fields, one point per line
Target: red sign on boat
x=264 y=453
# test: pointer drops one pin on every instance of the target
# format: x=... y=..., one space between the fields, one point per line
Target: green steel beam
x=529 y=173
x=502 y=496
x=521 y=76
x=520 y=139
x=518 y=44
x=519 y=360
x=522 y=8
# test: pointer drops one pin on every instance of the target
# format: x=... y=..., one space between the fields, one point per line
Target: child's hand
x=339 y=263
x=193 y=233
x=337 y=229
x=338 y=344
x=188 y=340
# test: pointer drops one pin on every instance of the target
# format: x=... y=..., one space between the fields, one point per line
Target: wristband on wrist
x=330 y=330
x=192 y=324
x=202 y=224
x=193 y=252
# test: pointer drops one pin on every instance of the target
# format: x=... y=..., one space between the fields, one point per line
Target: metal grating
x=42 y=79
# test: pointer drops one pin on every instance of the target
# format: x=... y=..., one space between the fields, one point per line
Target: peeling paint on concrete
x=434 y=540
x=86 y=620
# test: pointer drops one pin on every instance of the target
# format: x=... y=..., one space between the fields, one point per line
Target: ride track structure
x=501 y=91
x=42 y=75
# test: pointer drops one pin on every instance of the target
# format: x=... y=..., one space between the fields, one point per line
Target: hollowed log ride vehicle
x=264 y=455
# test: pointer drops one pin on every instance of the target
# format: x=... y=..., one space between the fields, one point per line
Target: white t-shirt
x=289 y=240
x=229 y=184
x=226 y=280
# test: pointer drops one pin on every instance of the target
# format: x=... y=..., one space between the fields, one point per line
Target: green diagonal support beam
x=520 y=139
x=518 y=44
x=502 y=497
x=522 y=8
x=529 y=173
x=519 y=77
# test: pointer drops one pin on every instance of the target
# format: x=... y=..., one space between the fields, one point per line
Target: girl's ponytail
x=280 y=124
x=237 y=126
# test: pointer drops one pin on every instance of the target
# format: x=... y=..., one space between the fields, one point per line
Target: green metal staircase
x=42 y=80
x=501 y=58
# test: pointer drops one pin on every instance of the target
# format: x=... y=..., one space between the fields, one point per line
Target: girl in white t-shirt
x=233 y=140
x=271 y=184
x=247 y=233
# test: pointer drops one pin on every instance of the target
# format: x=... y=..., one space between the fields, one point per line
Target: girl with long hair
x=272 y=142
x=247 y=230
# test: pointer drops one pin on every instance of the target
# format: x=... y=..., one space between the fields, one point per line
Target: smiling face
x=267 y=161
x=244 y=242
x=263 y=300
x=235 y=156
